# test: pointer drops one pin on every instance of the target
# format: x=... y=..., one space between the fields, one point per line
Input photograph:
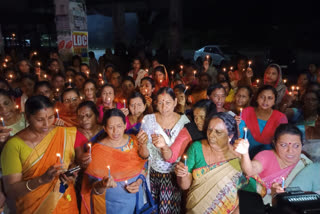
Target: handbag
x=150 y=206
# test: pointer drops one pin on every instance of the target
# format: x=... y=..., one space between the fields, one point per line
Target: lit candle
x=245 y=132
x=187 y=87
x=297 y=88
x=57 y=110
x=88 y=73
x=292 y=88
x=181 y=67
x=126 y=182
x=6 y=60
x=231 y=68
x=13 y=34
x=4 y=65
x=109 y=170
x=11 y=76
x=207 y=56
x=146 y=90
x=89 y=144
x=102 y=82
x=35 y=53
x=257 y=81
x=45 y=76
x=249 y=63
x=39 y=64
x=108 y=100
x=2 y=121
x=241 y=113
x=57 y=90
x=285 y=81
x=194 y=73
x=172 y=73
x=58 y=155
x=81 y=98
x=70 y=80
x=124 y=103
x=224 y=69
x=17 y=107
x=147 y=70
x=290 y=93
x=282 y=185
x=100 y=76
x=185 y=160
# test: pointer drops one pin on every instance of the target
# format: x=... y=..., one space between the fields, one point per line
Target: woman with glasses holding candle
x=261 y=120
x=279 y=166
x=162 y=129
x=111 y=180
x=32 y=172
x=211 y=170
x=70 y=101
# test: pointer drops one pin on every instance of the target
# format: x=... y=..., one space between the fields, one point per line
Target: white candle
x=282 y=185
x=124 y=103
x=245 y=132
x=70 y=82
x=187 y=87
x=194 y=73
x=59 y=155
x=2 y=121
x=241 y=113
x=249 y=63
x=185 y=160
x=109 y=170
x=89 y=145
x=57 y=110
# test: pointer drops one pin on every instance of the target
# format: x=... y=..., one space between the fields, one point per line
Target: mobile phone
x=72 y=170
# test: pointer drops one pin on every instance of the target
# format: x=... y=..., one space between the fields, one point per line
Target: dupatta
x=47 y=198
x=250 y=118
x=123 y=166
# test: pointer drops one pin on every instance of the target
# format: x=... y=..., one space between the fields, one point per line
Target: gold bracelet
x=95 y=191
x=27 y=185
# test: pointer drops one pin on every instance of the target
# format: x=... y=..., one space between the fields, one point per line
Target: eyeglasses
x=72 y=100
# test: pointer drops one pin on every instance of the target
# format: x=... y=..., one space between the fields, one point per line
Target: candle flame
x=194 y=71
x=245 y=128
x=58 y=155
x=89 y=144
x=231 y=68
x=17 y=106
x=57 y=110
x=108 y=167
x=126 y=181
x=185 y=156
x=240 y=109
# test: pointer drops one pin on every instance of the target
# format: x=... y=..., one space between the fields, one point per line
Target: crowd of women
x=88 y=138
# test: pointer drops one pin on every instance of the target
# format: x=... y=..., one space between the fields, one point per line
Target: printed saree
x=214 y=188
x=47 y=198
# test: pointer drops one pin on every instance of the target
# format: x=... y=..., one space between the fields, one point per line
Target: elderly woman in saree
x=162 y=129
x=279 y=166
x=211 y=170
x=33 y=162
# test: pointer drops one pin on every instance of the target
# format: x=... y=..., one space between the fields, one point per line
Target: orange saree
x=47 y=198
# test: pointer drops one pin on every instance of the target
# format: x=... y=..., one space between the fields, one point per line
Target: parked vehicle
x=220 y=55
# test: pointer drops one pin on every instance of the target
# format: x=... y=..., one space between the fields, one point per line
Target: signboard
x=80 y=44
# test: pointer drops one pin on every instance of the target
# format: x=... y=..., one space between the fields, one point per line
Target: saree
x=47 y=198
x=124 y=165
x=214 y=188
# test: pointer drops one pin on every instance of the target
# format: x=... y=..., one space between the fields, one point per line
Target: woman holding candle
x=14 y=120
x=108 y=101
x=242 y=99
x=70 y=101
x=273 y=77
x=146 y=89
x=115 y=160
x=127 y=87
x=261 y=120
x=303 y=82
x=160 y=77
x=137 y=106
x=137 y=73
x=30 y=166
x=284 y=161
x=162 y=129
x=207 y=67
x=213 y=173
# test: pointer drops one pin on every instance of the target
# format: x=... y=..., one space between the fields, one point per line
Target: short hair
x=68 y=90
x=213 y=87
x=41 y=84
x=249 y=89
x=180 y=87
x=90 y=105
x=114 y=112
x=206 y=104
x=136 y=95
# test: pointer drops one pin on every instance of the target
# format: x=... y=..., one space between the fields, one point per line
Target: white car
x=215 y=51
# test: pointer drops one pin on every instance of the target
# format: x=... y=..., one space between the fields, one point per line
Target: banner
x=80 y=44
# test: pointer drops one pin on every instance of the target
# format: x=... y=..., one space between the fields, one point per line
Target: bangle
x=95 y=191
x=27 y=185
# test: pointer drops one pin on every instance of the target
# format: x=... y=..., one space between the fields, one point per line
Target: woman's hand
x=85 y=159
x=241 y=146
x=249 y=72
x=142 y=138
x=158 y=141
x=134 y=187
x=181 y=170
x=276 y=189
x=106 y=183
x=238 y=119
x=4 y=134
x=59 y=122
x=50 y=174
x=125 y=111
x=148 y=100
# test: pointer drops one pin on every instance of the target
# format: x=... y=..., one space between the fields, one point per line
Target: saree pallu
x=47 y=198
x=124 y=165
x=214 y=188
